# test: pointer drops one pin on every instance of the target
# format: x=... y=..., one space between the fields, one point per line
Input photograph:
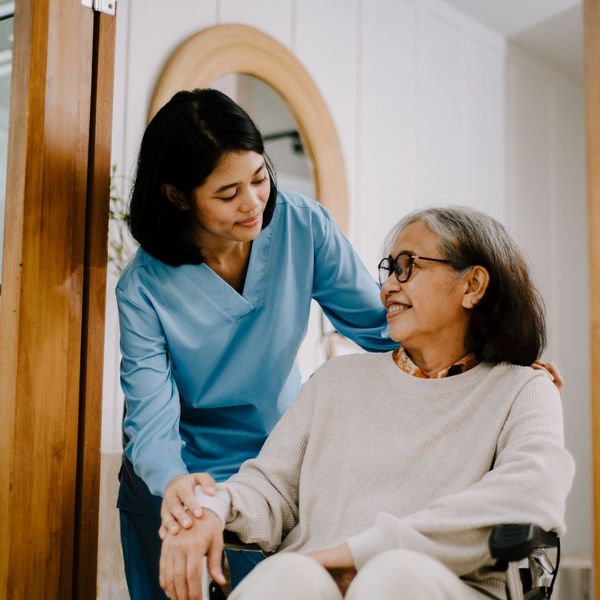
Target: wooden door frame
x=592 y=95
x=52 y=301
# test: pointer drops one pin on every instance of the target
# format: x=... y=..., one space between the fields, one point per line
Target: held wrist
x=219 y=504
x=214 y=514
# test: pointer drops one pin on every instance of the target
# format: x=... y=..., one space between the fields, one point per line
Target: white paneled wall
x=273 y=18
x=485 y=128
x=546 y=206
x=441 y=118
x=431 y=115
x=429 y=106
x=326 y=42
x=461 y=111
x=386 y=122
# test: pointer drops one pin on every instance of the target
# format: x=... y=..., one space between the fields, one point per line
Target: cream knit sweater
x=379 y=459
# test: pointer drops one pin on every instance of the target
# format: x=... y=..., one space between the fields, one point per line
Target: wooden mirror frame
x=227 y=49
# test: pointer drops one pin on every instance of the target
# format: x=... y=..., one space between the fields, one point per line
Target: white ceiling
x=558 y=40
x=552 y=30
x=510 y=17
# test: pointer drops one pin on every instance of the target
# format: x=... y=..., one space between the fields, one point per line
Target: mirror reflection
x=278 y=127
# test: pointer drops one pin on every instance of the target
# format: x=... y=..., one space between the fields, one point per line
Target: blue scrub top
x=206 y=371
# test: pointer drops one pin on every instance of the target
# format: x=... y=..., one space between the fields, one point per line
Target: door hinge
x=106 y=6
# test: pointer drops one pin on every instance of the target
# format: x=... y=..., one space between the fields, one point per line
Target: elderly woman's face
x=428 y=308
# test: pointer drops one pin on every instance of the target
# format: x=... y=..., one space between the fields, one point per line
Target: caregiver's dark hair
x=181 y=146
x=508 y=324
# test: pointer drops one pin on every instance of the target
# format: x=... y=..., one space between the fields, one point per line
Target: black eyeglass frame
x=387 y=265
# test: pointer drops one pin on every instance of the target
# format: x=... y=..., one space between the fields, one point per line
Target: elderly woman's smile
x=395 y=308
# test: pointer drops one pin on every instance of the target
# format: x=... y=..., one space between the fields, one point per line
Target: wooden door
x=52 y=298
x=592 y=92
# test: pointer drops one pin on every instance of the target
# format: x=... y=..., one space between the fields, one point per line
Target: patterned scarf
x=408 y=366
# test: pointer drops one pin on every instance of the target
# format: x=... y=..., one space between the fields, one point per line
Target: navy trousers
x=141 y=553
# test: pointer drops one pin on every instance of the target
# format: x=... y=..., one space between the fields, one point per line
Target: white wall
x=546 y=204
x=430 y=106
x=430 y=115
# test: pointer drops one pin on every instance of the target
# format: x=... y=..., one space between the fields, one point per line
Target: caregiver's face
x=427 y=308
x=230 y=203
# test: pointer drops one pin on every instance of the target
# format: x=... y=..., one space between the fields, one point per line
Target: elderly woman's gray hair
x=508 y=324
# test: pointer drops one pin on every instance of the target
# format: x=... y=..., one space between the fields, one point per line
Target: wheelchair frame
x=509 y=544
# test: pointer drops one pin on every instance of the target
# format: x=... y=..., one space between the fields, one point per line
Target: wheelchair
x=510 y=545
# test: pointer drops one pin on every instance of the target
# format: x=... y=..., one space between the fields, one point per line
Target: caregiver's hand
x=179 y=502
x=181 y=558
x=552 y=370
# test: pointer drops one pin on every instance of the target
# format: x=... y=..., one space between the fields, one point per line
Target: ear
x=174 y=196
x=477 y=280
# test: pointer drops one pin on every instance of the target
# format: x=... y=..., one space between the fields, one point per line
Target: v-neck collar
x=222 y=294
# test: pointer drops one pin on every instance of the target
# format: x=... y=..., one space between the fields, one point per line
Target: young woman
x=386 y=476
x=212 y=309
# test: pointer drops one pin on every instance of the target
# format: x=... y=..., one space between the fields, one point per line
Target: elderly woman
x=385 y=477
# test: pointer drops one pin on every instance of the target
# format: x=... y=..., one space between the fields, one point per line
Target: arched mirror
x=283 y=142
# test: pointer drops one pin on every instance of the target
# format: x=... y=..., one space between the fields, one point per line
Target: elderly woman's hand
x=179 y=502
x=552 y=370
x=340 y=564
x=181 y=558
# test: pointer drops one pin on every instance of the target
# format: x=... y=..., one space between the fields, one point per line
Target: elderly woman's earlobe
x=477 y=280
x=174 y=196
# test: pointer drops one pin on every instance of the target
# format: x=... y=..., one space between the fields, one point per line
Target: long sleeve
x=529 y=482
x=152 y=420
x=346 y=292
x=262 y=499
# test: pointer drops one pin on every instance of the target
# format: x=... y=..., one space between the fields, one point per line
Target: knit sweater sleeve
x=529 y=482
x=260 y=503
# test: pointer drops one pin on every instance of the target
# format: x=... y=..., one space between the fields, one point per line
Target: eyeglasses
x=401 y=266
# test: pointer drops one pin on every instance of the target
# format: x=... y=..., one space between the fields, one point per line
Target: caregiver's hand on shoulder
x=340 y=564
x=552 y=370
x=179 y=502
x=181 y=558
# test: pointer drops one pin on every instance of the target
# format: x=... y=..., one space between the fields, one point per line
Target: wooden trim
x=95 y=265
x=592 y=93
x=44 y=295
x=224 y=49
x=23 y=27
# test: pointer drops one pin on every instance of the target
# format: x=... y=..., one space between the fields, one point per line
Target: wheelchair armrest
x=232 y=542
x=510 y=543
